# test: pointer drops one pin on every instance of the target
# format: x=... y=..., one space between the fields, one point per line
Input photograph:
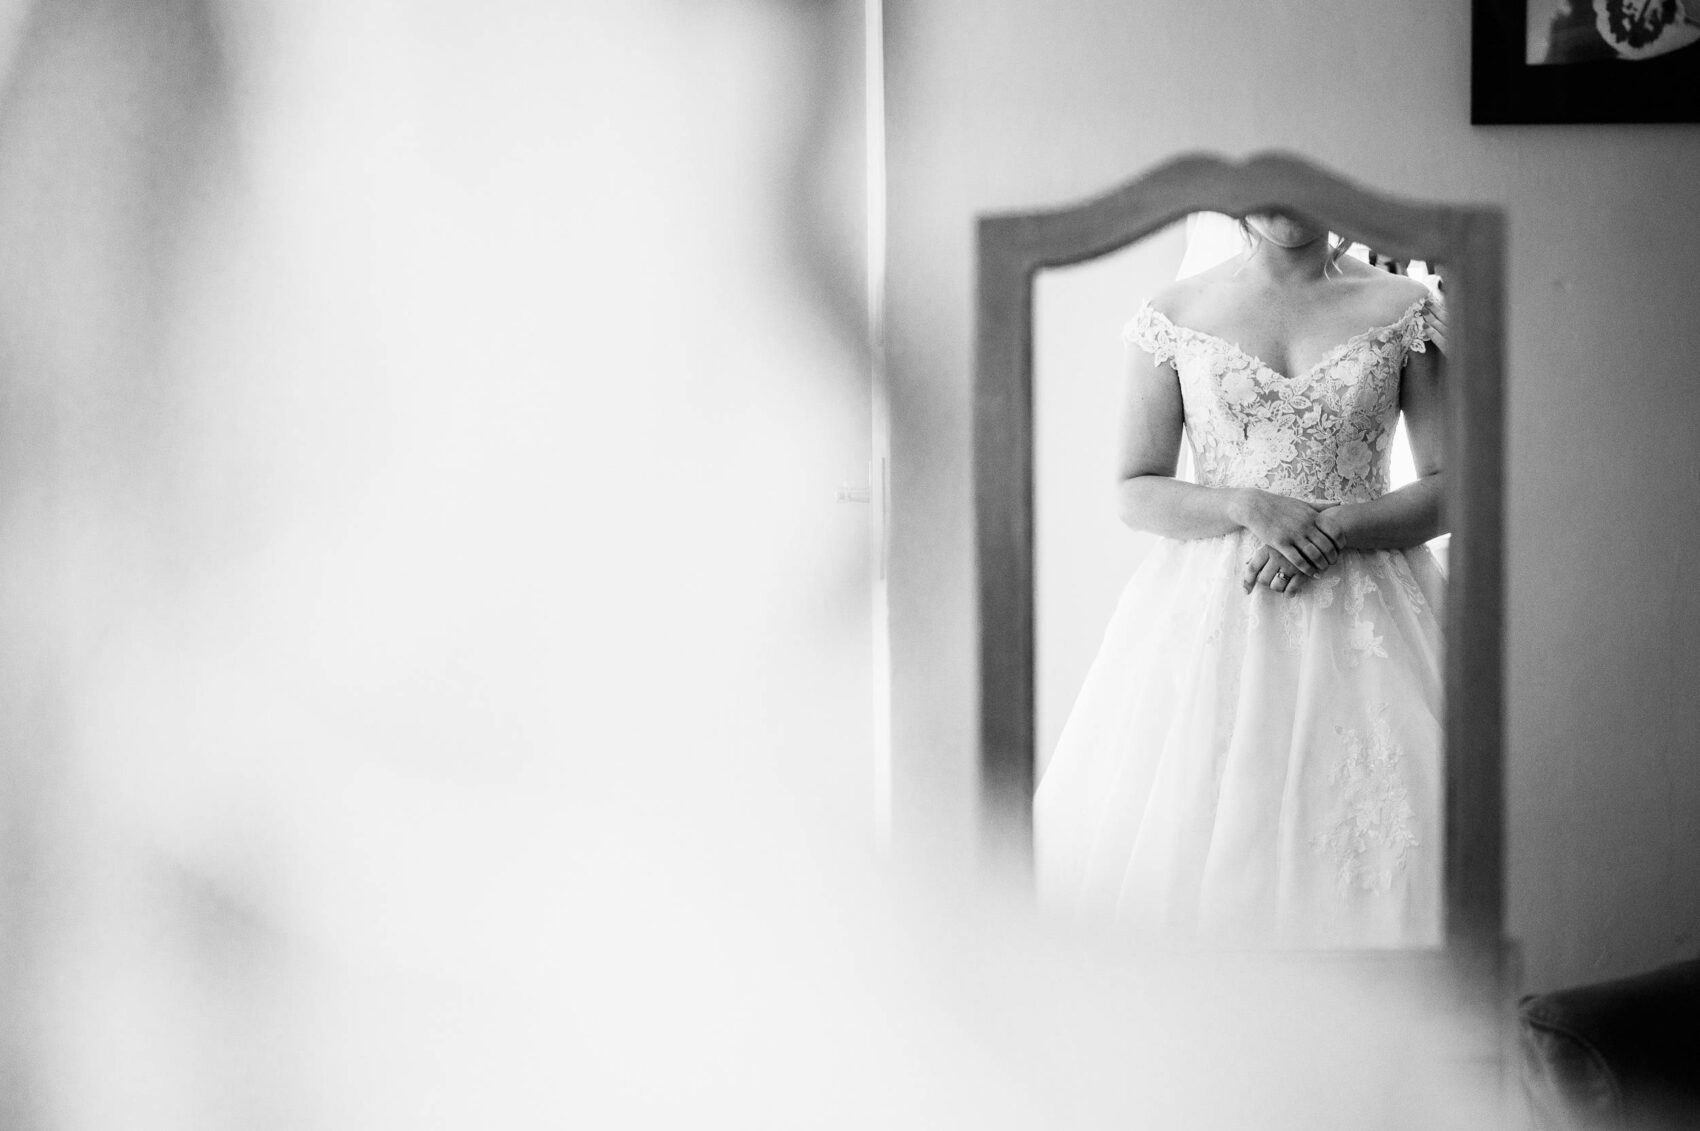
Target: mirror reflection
x=1239 y=556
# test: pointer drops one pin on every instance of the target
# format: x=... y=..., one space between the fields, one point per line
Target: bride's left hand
x=1268 y=567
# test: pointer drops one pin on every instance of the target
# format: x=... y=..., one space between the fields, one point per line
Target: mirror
x=1324 y=799
x=1241 y=766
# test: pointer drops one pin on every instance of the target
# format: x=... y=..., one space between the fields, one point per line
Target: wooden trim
x=1003 y=493
x=1474 y=653
x=1467 y=243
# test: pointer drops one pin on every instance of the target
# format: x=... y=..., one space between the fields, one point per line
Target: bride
x=1255 y=755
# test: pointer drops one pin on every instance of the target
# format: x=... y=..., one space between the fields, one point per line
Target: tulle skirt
x=1253 y=769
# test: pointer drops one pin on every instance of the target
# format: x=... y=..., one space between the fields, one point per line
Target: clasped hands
x=1300 y=541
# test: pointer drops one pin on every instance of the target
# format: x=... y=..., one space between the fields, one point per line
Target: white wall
x=1083 y=554
x=1003 y=105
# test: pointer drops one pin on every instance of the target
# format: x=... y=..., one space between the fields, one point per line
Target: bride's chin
x=1284 y=232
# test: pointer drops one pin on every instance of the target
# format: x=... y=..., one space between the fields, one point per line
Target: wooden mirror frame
x=1466 y=244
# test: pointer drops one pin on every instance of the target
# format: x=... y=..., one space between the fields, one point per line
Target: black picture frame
x=1506 y=90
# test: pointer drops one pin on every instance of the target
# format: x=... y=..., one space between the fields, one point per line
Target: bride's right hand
x=1289 y=527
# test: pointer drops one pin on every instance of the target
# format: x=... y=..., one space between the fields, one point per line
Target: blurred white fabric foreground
x=424 y=632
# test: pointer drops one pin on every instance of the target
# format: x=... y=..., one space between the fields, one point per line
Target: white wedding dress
x=1256 y=769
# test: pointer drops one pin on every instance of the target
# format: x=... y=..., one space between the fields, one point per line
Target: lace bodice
x=1325 y=435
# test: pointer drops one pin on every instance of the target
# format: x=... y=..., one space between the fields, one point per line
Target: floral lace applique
x=1361 y=636
x=1153 y=333
x=1292 y=621
x=1364 y=642
x=1371 y=833
x=1406 y=580
x=1323 y=435
x=1416 y=335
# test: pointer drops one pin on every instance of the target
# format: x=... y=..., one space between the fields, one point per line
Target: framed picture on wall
x=1585 y=61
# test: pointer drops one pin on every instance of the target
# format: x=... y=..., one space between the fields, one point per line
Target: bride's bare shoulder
x=1181 y=299
x=1382 y=292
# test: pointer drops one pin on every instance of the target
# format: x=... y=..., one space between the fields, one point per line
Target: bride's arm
x=1150 y=498
x=1413 y=514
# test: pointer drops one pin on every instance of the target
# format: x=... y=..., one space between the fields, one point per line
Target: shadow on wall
x=114 y=126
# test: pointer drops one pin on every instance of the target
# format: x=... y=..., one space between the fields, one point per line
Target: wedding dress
x=1252 y=768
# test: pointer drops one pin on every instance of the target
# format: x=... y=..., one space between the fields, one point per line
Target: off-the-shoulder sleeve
x=1153 y=333
x=1417 y=330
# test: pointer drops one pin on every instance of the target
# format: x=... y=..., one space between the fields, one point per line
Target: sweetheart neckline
x=1326 y=358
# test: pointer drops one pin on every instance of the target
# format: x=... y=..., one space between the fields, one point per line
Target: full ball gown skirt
x=1257 y=769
